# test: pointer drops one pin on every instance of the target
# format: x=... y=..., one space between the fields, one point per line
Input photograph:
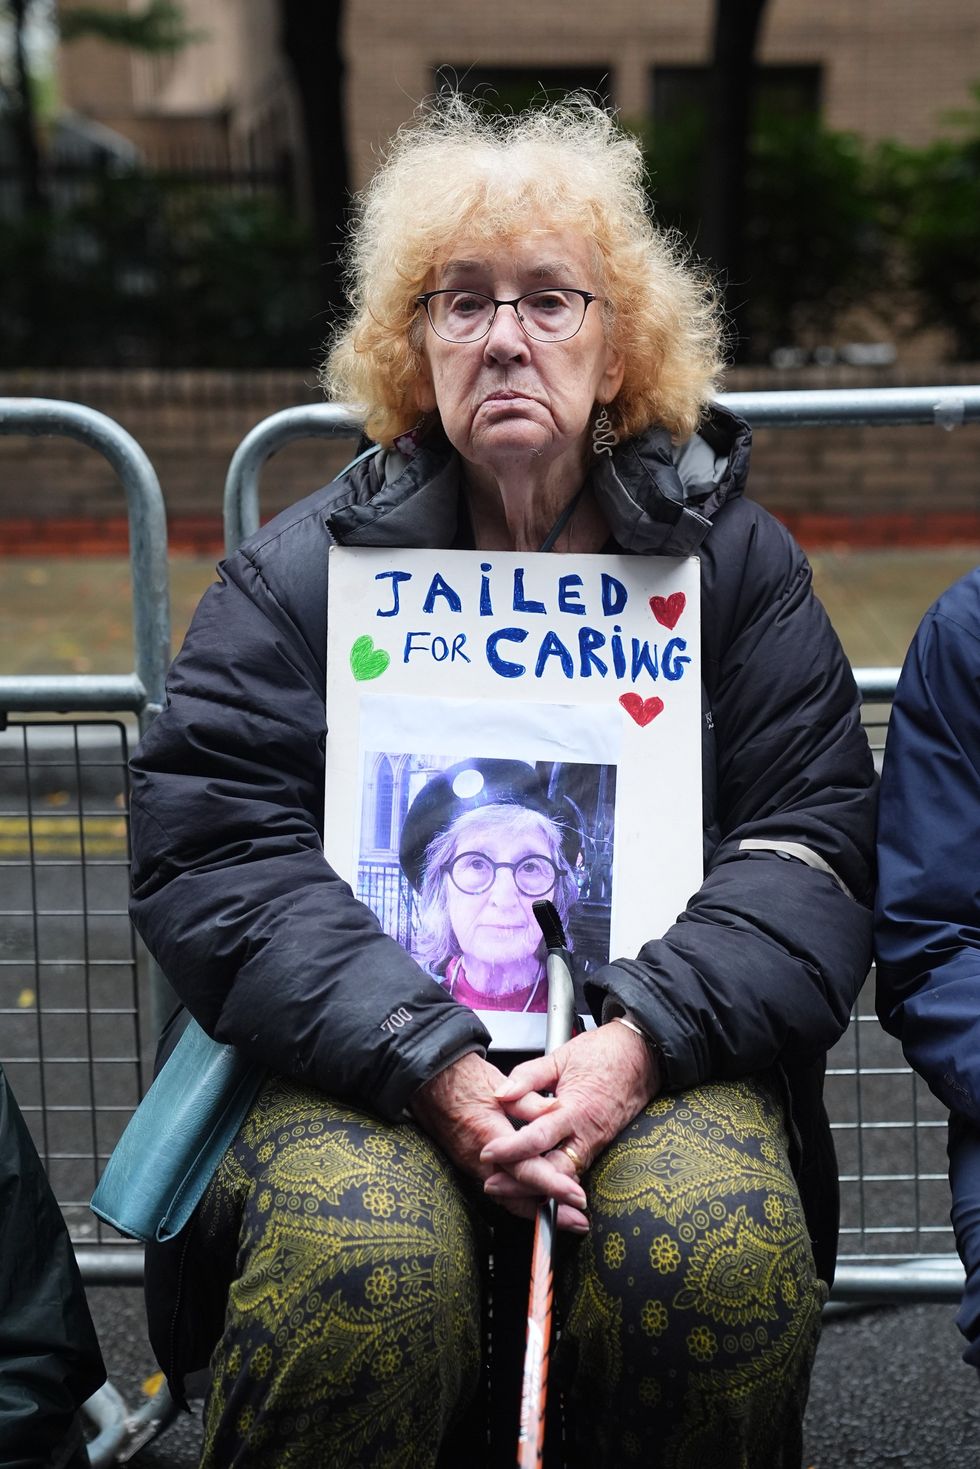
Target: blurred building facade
x=225 y=100
x=883 y=68
x=227 y=104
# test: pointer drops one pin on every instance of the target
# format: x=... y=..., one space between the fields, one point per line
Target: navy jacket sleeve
x=266 y=946
x=928 y=914
x=764 y=964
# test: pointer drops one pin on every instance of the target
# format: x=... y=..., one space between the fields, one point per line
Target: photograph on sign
x=454 y=853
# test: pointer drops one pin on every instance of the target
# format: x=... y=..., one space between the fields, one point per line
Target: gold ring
x=576 y=1161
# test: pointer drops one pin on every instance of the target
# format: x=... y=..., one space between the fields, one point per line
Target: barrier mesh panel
x=69 y=992
x=70 y=1003
x=889 y=1130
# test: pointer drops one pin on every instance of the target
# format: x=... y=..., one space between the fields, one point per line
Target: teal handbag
x=176 y=1138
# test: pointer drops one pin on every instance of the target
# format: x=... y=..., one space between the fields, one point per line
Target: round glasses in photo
x=546 y=316
x=474 y=872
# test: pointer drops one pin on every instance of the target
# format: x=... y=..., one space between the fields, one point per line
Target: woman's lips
x=502 y=400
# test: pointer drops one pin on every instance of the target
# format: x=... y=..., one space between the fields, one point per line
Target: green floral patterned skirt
x=354 y=1331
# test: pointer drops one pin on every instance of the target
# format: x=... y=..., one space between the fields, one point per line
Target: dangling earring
x=604 y=436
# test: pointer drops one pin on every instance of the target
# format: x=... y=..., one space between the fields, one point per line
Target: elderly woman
x=535 y=364
x=482 y=843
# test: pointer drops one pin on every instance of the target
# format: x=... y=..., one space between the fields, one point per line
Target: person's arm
x=266 y=946
x=928 y=911
x=766 y=960
x=50 y=1361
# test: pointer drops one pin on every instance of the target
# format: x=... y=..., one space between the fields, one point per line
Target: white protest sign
x=570 y=687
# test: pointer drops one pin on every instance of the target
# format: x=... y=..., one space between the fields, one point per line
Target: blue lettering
x=643 y=658
x=457 y=649
x=619 y=657
x=440 y=649
x=673 y=661
x=409 y=648
x=553 y=647
x=486 y=606
x=589 y=638
x=567 y=596
x=614 y=595
x=501 y=665
x=441 y=588
x=396 y=577
x=520 y=604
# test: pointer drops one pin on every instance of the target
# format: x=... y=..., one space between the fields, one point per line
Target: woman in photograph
x=535 y=361
x=481 y=844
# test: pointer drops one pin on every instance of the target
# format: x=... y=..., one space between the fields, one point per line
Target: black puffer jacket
x=50 y=1361
x=271 y=951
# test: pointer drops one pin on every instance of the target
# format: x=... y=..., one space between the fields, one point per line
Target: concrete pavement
x=888 y=1390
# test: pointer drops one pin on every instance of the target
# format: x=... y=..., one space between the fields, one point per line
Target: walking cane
x=534 y=1387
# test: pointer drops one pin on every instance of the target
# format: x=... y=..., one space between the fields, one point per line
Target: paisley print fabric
x=688 y=1317
x=692 y=1307
x=352 y=1333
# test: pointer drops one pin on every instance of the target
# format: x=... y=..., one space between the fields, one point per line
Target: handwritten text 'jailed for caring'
x=592 y=651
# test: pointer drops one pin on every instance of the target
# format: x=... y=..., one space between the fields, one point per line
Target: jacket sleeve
x=265 y=945
x=928 y=911
x=765 y=962
x=50 y=1361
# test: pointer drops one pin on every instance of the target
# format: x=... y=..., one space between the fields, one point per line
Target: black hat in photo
x=473 y=783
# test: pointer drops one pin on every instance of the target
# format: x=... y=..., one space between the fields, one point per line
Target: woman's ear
x=612 y=378
x=425 y=396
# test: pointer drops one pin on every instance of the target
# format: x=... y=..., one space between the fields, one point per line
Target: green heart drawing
x=367 y=661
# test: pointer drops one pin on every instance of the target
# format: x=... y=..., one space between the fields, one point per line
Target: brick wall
x=868 y=486
x=863 y=485
x=189 y=424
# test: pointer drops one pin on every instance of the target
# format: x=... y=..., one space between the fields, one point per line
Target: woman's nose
x=506 y=340
x=504 y=887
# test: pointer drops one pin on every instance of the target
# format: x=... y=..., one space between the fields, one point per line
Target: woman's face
x=508 y=398
x=498 y=926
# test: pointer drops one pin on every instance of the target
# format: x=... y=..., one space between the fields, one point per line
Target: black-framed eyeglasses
x=546 y=316
x=474 y=872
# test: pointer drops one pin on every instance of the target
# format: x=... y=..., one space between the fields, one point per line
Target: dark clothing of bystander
x=928 y=914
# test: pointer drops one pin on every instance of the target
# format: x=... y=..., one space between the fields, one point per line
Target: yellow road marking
x=58 y=836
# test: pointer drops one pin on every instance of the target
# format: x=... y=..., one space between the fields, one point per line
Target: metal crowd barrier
x=889 y=1131
x=896 y=1242
x=75 y=998
x=946 y=408
x=74 y=990
x=141 y=692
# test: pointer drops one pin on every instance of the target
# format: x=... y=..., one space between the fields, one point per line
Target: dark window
x=680 y=93
x=786 y=97
x=512 y=88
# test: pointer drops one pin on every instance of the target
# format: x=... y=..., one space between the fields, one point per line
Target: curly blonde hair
x=454 y=172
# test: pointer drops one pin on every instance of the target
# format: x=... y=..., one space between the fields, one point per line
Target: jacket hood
x=658 y=498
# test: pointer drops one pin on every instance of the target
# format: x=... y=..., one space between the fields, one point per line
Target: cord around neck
x=562 y=521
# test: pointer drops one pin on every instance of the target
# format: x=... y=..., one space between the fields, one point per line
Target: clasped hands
x=505 y=1130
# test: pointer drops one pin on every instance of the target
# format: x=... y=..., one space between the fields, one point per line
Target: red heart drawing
x=642 y=710
x=667 y=610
